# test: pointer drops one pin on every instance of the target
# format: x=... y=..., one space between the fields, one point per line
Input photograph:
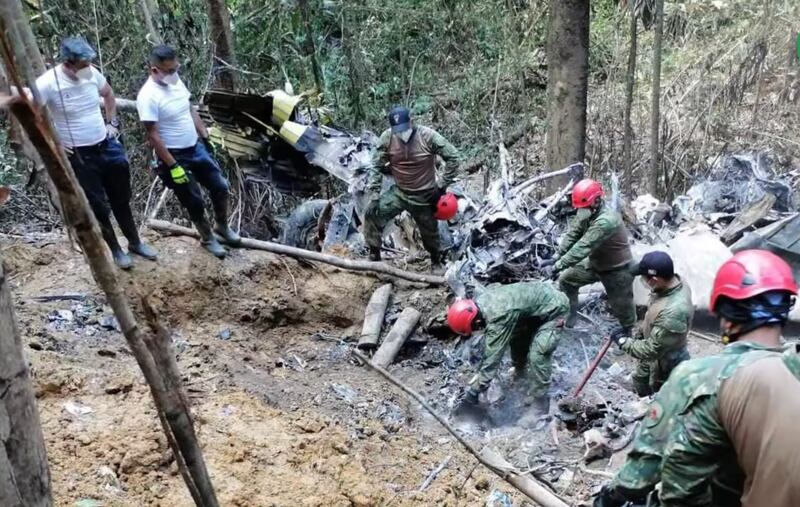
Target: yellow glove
x=178 y=175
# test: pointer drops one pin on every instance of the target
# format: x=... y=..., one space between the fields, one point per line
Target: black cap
x=400 y=119
x=657 y=264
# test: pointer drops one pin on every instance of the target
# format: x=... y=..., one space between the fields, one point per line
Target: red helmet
x=585 y=193
x=446 y=207
x=460 y=316
x=750 y=273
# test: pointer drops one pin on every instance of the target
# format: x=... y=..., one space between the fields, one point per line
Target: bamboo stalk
x=348 y=264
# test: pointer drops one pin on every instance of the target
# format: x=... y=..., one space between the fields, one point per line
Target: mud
x=284 y=414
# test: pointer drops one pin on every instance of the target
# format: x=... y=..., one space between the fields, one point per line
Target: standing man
x=72 y=91
x=660 y=341
x=185 y=156
x=410 y=153
x=528 y=318
x=596 y=248
x=743 y=406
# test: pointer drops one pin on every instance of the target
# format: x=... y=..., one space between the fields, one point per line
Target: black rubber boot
x=208 y=240
x=375 y=254
x=221 y=226
x=542 y=404
x=142 y=249
x=121 y=259
x=135 y=243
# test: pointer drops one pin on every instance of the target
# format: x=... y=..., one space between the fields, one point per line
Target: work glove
x=551 y=272
x=207 y=143
x=112 y=132
x=470 y=398
x=178 y=174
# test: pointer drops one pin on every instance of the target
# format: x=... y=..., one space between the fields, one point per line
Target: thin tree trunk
x=222 y=38
x=655 y=113
x=630 y=83
x=24 y=476
x=37 y=125
x=149 y=9
x=311 y=47
x=567 y=85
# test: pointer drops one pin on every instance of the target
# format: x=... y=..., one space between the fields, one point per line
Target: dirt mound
x=283 y=415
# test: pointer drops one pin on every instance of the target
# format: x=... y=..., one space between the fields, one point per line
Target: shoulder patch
x=654 y=415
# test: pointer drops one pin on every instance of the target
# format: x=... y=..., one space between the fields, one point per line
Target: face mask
x=84 y=74
x=170 y=79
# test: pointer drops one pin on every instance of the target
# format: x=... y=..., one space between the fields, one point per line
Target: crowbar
x=593 y=366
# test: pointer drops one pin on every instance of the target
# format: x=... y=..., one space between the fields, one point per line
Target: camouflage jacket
x=431 y=139
x=665 y=326
x=513 y=309
x=698 y=455
x=600 y=236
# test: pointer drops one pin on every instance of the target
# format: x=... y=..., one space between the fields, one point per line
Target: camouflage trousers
x=392 y=203
x=531 y=355
x=618 y=284
x=649 y=376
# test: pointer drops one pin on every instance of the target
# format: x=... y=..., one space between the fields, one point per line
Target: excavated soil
x=285 y=415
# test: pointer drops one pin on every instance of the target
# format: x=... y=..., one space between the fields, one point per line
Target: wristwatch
x=114 y=123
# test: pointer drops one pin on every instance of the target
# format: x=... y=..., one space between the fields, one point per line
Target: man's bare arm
x=199 y=126
x=154 y=138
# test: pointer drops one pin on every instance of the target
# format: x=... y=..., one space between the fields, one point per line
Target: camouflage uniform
x=528 y=317
x=596 y=248
x=416 y=190
x=645 y=465
x=660 y=342
x=699 y=456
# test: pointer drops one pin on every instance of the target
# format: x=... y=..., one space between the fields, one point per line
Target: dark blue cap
x=74 y=49
x=400 y=119
x=657 y=264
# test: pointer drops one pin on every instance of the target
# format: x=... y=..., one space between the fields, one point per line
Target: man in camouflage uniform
x=596 y=248
x=710 y=417
x=660 y=341
x=742 y=407
x=525 y=317
x=410 y=153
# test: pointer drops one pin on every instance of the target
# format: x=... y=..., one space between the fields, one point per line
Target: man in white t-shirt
x=72 y=92
x=185 y=156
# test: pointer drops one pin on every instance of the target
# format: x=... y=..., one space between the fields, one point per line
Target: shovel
x=592 y=367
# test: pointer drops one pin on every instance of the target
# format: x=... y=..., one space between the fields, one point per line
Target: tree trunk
x=630 y=83
x=222 y=38
x=24 y=477
x=567 y=85
x=655 y=113
x=149 y=9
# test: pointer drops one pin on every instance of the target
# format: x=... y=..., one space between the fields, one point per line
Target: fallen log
x=526 y=484
x=348 y=264
x=373 y=317
x=540 y=495
x=396 y=337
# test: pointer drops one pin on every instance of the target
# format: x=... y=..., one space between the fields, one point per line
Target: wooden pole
x=592 y=367
x=541 y=496
x=396 y=337
x=24 y=476
x=373 y=317
x=79 y=216
x=348 y=264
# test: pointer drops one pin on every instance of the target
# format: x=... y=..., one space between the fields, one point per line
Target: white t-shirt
x=76 y=109
x=169 y=106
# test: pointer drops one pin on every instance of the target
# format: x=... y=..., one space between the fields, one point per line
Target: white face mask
x=84 y=74
x=170 y=79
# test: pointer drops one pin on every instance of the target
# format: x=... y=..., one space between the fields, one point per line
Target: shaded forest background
x=476 y=71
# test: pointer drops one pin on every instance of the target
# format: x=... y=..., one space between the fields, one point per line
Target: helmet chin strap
x=746 y=327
